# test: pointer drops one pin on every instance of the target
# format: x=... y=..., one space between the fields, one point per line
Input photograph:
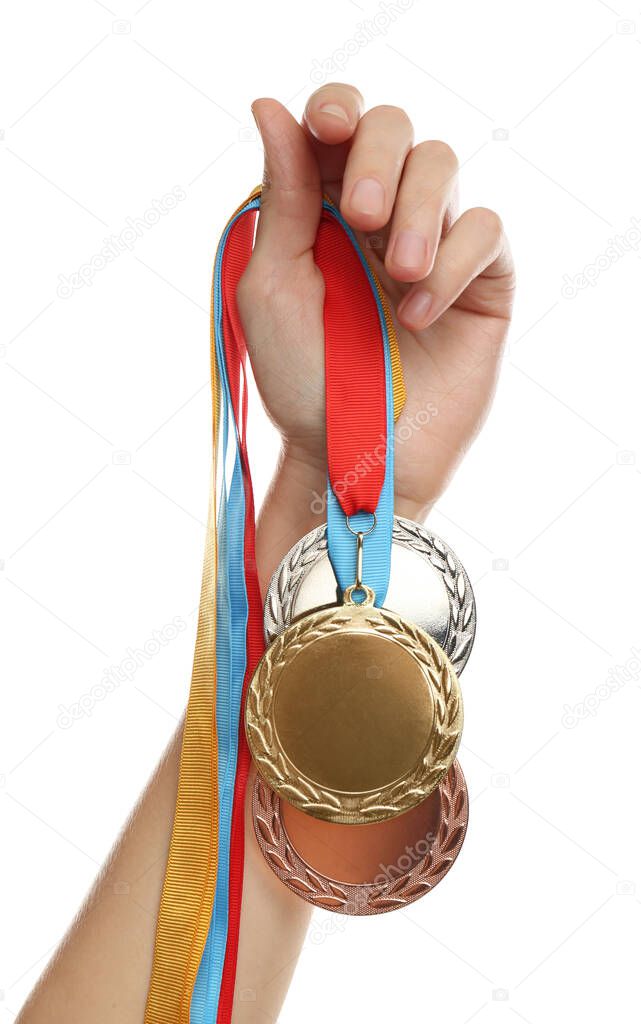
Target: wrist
x=294 y=505
x=310 y=470
x=296 y=502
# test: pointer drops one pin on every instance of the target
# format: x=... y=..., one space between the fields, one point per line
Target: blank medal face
x=353 y=715
x=353 y=712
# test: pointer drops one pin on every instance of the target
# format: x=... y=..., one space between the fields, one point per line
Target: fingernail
x=410 y=249
x=368 y=197
x=334 y=111
x=415 y=308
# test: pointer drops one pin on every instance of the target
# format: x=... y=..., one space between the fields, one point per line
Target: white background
x=108 y=106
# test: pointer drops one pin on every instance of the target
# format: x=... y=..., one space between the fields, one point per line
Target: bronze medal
x=353 y=714
x=363 y=869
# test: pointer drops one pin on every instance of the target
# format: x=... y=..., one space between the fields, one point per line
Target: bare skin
x=450 y=281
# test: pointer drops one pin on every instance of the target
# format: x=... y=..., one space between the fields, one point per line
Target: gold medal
x=353 y=714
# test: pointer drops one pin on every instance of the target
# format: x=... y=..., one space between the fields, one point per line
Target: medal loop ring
x=359 y=588
x=363 y=533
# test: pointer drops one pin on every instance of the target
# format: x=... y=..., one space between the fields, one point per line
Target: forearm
x=101 y=971
x=290 y=510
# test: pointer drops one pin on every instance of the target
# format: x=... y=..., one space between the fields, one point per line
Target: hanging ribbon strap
x=360 y=352
x=244 y=626
x=196 y=950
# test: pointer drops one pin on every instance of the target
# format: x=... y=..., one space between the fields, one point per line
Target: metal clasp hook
x=360 y=537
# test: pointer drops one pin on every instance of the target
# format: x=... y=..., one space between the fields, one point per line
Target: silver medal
x=428 y=586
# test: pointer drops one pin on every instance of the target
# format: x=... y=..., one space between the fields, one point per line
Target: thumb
x=292 y=198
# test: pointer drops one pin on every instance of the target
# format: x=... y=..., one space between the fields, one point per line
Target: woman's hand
x=450 y=280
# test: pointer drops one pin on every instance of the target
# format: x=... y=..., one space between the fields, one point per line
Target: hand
x=450 y=280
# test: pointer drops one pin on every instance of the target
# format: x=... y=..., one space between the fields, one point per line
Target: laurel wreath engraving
x=369 y=898
x=286 y=581
x=460 y=635
x=394 y=798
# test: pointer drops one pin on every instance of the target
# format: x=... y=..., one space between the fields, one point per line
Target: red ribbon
x=354 y=373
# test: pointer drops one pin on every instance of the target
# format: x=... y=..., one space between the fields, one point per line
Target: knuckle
x=389 y=111
x=450 y=263
x=488 y=222
x=436 y=149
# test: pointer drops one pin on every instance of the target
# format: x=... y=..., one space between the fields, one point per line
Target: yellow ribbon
x=190 y=877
